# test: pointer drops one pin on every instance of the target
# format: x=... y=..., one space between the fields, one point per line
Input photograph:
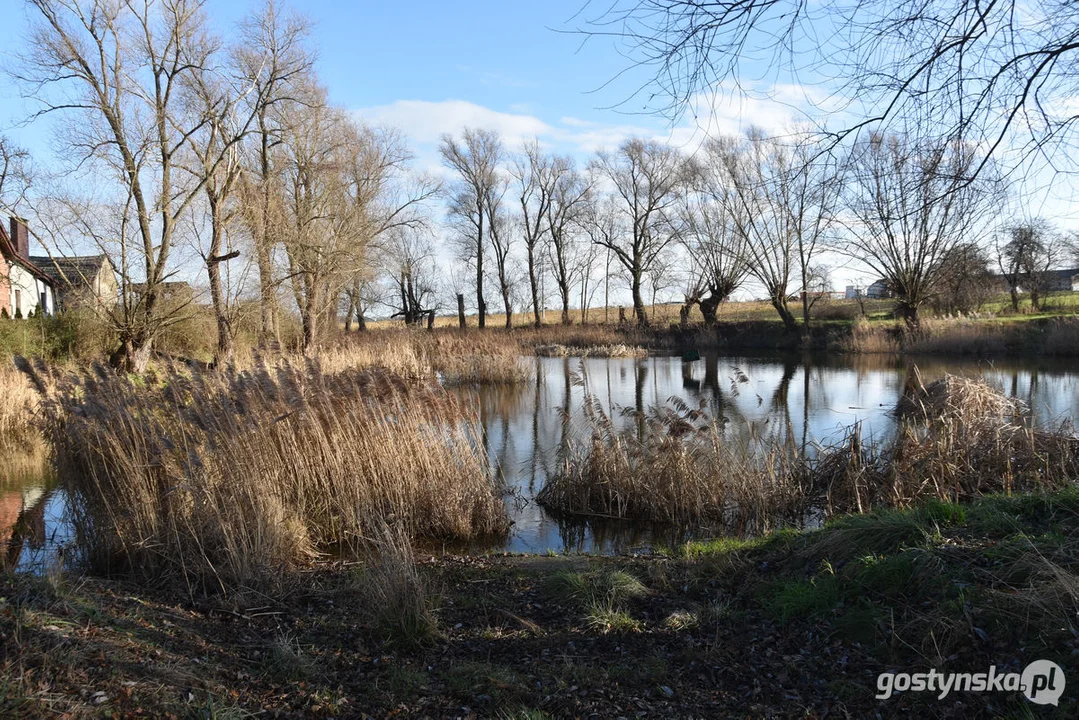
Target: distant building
x=24 y=288
x=80 y=279
x=854 y=292
x=879 y=290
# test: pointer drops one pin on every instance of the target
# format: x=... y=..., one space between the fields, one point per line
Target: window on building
x=18 y=301
x=43 y=307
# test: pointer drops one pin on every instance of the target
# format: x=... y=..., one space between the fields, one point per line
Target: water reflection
x=528 y=429
x=31 y=522
x=807 y=401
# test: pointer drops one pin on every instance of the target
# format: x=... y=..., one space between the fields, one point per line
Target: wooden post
x=461 y=310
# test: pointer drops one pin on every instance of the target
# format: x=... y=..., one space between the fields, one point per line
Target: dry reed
x=235 y=478
x=956 y=439
x=18 y=403
x=675 y=465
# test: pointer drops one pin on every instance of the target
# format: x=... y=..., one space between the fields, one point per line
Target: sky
x=430 y=68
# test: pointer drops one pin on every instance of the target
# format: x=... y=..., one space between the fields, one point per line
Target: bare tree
x=273 y=59
x=911 y=204
x=15 y=175
x=965 y=281
x=120 y=67
x=571 y=197
x=1032 y=250
x=408 y=258
x=715 y=247
x=995 y=74
x=534 y=183
x=500 y=233
x=475 y=159
x=782 y=203
x=646 y=176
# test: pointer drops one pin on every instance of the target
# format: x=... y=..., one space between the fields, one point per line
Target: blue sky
x=433 y=67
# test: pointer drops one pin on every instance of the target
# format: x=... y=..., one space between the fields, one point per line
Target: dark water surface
x=807 y=400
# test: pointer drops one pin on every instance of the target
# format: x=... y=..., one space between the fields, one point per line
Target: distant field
x=758 y=310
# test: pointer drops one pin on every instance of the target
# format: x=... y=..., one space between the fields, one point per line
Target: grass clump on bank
x=235 y=478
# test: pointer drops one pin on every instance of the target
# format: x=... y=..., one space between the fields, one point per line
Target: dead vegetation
x=234 y=479
x=956 y=439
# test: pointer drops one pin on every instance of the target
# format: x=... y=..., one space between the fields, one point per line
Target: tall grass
x=236 y=478
x=956 y=439
x=967 y=336
x=18 y=403
x=451 y=357
x=675 y=465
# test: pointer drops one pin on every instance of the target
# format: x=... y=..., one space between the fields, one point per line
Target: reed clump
x=600 y=351
x=236 y=478
x=956 y=439
x=18 y=404
x=676 y=465
x=451 y=357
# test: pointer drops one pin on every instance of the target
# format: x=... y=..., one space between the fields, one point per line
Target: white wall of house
x=28 y=291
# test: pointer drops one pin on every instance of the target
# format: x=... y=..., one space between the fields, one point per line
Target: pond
x=808 y=400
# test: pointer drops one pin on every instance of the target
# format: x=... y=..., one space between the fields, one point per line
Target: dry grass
x=401 y=606
x=452 y=357
x=18 y=402
x=607 y=351
x=676 y=465
x=958 y=439
x=236 y=478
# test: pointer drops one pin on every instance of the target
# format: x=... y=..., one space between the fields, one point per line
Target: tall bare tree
x=567 y=213
x=475 y=159
x=119 y=68
x=273 y=58
x=782 y=206
x=714 y=246
x=534 y=178
x=646 y=176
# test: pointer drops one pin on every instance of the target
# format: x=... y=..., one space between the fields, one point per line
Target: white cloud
x=425 y=121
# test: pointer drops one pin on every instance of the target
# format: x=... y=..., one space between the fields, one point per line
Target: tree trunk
x=461 y=310
x=508 y=306
x=638 y=302
x=534 y=286
x=709 y=306
x=223 y=354
x=563 y=290
x=480 y=304
x=789 y=322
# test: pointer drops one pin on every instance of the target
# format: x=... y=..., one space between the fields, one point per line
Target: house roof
x=7 y=250
x=70 y=271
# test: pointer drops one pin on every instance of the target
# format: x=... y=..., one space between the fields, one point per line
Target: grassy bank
x=790 y=625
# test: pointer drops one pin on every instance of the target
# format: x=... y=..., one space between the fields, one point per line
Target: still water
x=810 y=401
x=807 y=400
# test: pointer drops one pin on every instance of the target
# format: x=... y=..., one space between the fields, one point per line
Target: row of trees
x=202 y=148
x=192 y=142
x=742 y=209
